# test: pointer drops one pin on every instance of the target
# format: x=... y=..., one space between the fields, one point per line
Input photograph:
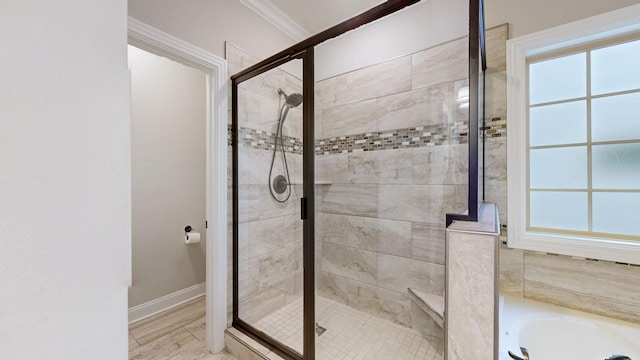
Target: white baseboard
x=166 y=302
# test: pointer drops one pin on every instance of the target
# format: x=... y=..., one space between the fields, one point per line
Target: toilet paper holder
x=191 y=236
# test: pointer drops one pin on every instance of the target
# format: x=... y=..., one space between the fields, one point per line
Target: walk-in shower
x=364 y=163
x=281 y=183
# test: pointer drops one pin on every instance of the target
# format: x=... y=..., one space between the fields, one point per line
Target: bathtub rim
x=513 y=317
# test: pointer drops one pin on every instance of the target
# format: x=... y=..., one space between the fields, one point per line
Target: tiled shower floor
x=351 y=334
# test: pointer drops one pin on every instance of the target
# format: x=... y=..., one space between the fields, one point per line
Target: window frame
x=568 y=38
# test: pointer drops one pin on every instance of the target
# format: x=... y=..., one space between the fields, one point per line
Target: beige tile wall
x=600 y=287
x=381 y=224
x=469 y=317
x=383 y=216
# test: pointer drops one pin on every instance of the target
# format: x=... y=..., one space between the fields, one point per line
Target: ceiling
x=303 y=18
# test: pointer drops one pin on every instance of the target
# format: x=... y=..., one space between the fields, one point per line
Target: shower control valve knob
x=280 y=184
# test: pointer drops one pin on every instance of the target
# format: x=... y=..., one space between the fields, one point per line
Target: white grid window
x=584 y=141
x=573 y=150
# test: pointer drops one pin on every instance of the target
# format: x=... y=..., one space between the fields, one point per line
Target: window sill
x=623 y=251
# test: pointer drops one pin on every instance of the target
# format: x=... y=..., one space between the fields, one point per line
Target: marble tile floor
x=351 y=334
x=176 y=334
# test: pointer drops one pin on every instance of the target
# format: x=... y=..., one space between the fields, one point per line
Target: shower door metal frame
x=305 y=51
x=477 y=67
x=307 y=202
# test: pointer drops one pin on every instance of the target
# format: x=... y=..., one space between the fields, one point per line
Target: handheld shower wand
x=282 y=183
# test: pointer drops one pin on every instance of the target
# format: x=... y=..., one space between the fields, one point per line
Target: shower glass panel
x=386 y=140
x=391 y=161
x=270 y=268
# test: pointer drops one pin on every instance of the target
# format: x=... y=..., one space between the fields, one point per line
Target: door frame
x=160 y=43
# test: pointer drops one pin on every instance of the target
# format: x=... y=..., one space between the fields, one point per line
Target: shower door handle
x=303 y=208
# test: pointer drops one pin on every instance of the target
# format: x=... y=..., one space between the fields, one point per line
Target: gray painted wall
x=168 y=149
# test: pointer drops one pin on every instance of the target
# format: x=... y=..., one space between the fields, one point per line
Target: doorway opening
x=213 y=227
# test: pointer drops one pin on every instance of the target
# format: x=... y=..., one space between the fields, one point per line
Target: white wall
x=168 y=149
x=65 y=179
x=527 y=16
x=432 y=22
x=410 y=30
x=208 y=24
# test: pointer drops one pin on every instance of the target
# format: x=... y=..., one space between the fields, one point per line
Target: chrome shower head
x=293 y=100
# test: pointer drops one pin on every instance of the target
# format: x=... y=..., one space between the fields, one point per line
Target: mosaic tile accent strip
x=415 y=137
x=496 y=128
x=264 y=140
x=407 y=138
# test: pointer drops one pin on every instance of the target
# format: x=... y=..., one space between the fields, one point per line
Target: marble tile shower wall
x=270 y=233
x=601 y=287
x=392 y=142
x=494 y=171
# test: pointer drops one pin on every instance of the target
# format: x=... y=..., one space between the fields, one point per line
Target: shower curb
x=244 y=347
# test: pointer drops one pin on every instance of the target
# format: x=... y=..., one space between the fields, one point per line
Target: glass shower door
x=269 y=238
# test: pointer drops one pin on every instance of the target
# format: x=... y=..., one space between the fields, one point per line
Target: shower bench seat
x=432 y=305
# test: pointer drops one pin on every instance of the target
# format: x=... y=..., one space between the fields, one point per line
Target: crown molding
x=278 y=18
